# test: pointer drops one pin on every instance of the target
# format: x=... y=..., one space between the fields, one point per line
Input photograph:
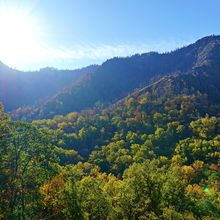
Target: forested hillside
x=144 y=158
x=118 y=77
x=154 y=153
x=18 y=88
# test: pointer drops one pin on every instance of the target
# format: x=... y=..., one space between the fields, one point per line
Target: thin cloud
x=43 y=55
x=105 y=51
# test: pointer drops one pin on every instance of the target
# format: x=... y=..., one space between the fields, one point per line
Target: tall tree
x=26 y=162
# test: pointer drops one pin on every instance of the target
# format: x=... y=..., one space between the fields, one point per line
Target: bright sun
x=18 y=36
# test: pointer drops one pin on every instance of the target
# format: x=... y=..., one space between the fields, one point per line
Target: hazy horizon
x=98 y=62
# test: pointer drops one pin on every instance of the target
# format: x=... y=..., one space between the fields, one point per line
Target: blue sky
x=76 y=33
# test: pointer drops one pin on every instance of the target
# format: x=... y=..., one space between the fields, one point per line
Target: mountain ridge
x=112 y=81
x=118 y=77
x=19 y=88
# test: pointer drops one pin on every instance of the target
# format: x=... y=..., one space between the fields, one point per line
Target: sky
x=69 y=34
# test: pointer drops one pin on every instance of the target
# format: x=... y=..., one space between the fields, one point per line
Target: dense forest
x=152 y=152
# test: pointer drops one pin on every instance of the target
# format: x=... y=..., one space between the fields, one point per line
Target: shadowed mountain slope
x=192 y=68
x=19 y=88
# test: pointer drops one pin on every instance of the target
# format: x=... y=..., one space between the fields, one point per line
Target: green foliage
x=143 y=158
x=27 y=160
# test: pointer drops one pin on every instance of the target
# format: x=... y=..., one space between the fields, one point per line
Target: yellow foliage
x=51 y=191
x=195 y=190
x=198 y=165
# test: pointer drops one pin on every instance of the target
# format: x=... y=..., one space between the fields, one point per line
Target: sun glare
x=18 y=36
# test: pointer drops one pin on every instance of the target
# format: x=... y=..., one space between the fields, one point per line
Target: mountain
x=186 y=70
x=19 y=88
x=152 y=154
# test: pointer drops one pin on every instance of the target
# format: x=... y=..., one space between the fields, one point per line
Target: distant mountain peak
x=46 y=69
x=208 y=39
x=208 y=50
